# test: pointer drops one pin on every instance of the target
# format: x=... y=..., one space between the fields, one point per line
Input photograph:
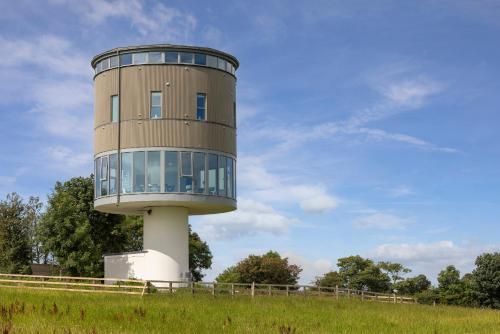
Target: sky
x=364 y=127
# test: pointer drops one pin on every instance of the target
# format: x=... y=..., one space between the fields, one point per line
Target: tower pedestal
x=166 y=240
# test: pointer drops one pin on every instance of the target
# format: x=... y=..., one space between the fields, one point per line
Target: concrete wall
x=125 y=266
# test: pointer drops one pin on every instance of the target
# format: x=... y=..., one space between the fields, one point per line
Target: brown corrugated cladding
x=179 y=85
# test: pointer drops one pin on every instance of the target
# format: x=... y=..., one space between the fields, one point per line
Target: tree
x=75 y=233
x=269 y=268
x=200 y=256
x=487 y=279
x=413 y=285
x=16 y=233
x=362 y=274
x=394 y=270
x=330 y=279
x=450 y=286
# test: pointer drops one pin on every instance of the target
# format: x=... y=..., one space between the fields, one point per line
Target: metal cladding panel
x=106 y=138
x=104 y=88
x=179 y=85
x=167 y=133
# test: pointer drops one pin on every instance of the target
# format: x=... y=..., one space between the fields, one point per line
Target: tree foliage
x=269 y=268
x=329 y=279
x=362 y=274
x=75 y=233
x=200 y=256
x=486 y=278
x=413 y=285
x=17 y=222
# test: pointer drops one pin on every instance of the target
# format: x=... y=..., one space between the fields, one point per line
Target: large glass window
x=140 y=58
x=212 y=174
x=154 y=171
x=155 y=111
x=155 y=58
x=126 y=59
x=222 y=175
x=139 y=171
x=114 y=108
x=186 y=58
x=98 y=177
x=201 y=106
x=105 y=64
x=126 y=178
x=113 y=169
x=229 y=178
x=200 y=59
x=104 y=176
x=199 y=172
x=171 y=57
x=171 y=171
x=186 y=172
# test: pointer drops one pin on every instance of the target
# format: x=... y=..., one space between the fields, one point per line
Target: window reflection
x=126 y=177
x=139 y=172
x=154 y=171
x=113 y=169
x=199 y=172
x=171 y=171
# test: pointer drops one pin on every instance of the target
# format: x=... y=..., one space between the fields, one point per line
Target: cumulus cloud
x=259 y=183
x=382 y=221
x=430 y=258
x=311 y=268
x=251 y=218
x=157 y=22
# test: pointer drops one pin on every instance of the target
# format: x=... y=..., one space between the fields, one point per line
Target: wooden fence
x=142 y=287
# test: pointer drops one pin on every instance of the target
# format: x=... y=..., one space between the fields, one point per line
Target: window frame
x=151 y=106
x=118 y=108
x=204 y=107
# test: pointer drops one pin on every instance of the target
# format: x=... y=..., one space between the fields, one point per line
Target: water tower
x=164 y=147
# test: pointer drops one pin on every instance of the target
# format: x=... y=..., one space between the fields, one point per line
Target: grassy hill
x=30 y=311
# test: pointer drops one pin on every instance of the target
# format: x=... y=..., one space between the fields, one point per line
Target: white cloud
x=410 y=93
x=252 y=218
x=65 y=159
x=310 y=268
x=157 y=22
x=264 y=186
x=398 y=191
x=383 y=221
x=430 y=258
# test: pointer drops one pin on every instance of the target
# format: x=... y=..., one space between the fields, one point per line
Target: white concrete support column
x=166 y=239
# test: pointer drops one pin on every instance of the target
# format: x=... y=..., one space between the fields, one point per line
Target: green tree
x=200 y=256
x=269 y=268
x=413 y=285
x=394 y=270
x=330 y=279
x=16 y=233
x=487 y=279
x=450 y=286
x=362 y=274
x=75 y=233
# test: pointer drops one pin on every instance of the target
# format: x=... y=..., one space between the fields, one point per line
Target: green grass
x=34 y=311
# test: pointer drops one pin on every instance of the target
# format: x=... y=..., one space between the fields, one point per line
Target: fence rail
x=142 y=287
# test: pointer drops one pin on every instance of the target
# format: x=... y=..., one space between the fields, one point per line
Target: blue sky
x=364 y=127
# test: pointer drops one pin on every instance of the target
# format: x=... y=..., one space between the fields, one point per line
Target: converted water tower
x=164 y=147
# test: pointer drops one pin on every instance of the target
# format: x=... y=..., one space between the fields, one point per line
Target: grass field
x=34 y=311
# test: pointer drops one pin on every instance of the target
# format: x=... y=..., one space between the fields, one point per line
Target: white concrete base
x=166 y=249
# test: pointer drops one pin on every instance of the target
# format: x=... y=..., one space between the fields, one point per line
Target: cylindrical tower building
x=164 y=147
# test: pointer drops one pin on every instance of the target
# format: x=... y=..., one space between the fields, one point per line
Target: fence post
x=213 y=289
x=287 y=290
x=362 y=295
x=269 y=290
x=232 y=289
x=170 y=287
x=337 y=292
x=348 y=293
x=192 y=287
x=394 y=298
x=305 y=290
x=319 y=290
x=253 y=289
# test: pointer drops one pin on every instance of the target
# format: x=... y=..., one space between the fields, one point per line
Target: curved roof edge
x=152 y=47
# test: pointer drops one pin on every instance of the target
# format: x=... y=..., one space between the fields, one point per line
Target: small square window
x=212 y=61
x=171 y=57
x=155 y=57
x=113 y=62
x=186 y=58
x=200 y=59
x=114 y=108
x=140 y=58
x=201 y=106
x=126 y=59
